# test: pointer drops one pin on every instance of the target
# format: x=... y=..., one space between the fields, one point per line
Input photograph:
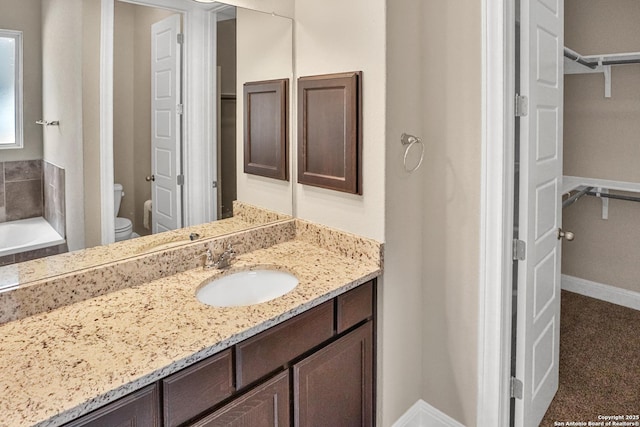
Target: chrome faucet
x=224 y=259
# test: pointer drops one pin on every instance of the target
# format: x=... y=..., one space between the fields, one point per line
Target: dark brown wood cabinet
x=266 y=131
x=334 y=386
x=267 y=405
x=315 y=369
x=275 y=347
x=197 y=388
x=354 y=307
x=330 y=131
x=141 y=408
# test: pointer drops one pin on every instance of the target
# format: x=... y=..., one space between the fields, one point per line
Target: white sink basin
x=246 y=288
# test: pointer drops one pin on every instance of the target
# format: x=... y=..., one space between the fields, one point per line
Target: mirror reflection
x=163 y=155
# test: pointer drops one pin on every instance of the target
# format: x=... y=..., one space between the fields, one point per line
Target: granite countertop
x=58 y=365
x=246 y=217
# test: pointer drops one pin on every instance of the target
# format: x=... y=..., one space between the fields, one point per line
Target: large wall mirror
x=132 y=113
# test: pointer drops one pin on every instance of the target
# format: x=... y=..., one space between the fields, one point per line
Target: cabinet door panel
x=197 y=388
x=265 y=406
x=137 y=409
x=334 y=387
x=275 y=347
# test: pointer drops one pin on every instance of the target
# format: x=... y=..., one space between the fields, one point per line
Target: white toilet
x=124 y=228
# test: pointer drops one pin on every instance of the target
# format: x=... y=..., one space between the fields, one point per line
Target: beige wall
x=601 y=141
x=451 y=208
x=401 y=329
x=91 y=121
x=123 y=112
x=600 y=26
x=25 y=16
x=331 y=42
x=62 y=100
x=264 y=45
x=429 y=220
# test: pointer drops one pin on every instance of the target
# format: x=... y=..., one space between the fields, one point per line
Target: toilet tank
x=118 y=194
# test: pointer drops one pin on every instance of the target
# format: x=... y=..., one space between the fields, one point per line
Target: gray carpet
x=599 y=361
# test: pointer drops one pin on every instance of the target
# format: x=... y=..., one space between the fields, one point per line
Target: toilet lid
x=123 y=224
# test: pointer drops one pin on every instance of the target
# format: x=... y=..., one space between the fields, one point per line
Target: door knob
x=150 y=178
x=567 y=235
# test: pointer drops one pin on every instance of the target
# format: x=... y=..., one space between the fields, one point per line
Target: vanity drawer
x=139 y=408
x=354 y=306
x=275 y=347
x=197 y=388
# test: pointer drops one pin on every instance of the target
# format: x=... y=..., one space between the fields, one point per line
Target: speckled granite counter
x=57 y=365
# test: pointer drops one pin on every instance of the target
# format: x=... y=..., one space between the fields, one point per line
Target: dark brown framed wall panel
x=266 y=128
x=330 y=131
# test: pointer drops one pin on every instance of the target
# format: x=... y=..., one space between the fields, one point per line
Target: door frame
x=199 y=117
x=497 y=202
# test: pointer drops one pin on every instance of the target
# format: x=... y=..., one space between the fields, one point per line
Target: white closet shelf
x=571 y=183
x=600 y=186
x=574 y=63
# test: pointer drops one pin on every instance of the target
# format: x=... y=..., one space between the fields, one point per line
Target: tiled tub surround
x=42 y=270
x=54 y=209
x=21 y=190
x=29 y=189
x=57 y=365
x=31 y=255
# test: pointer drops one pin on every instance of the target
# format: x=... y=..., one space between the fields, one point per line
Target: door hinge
x=515 y=388
x=180 y=179
x=214 y=184
x=519 y=250
x=179 y=109
x=180 y=38
x=522 y=105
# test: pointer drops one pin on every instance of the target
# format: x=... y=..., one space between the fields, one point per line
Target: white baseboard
x=602 y=292
x=421 y=414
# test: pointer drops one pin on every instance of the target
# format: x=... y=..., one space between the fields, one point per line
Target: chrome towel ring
x=409 y=141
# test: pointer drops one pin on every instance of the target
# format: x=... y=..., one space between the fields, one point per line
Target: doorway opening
x=189 y=175
x=147 y=123
x=577 y=130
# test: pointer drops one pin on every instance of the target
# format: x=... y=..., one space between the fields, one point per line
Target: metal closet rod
x=580 y=60
x=588 y=191
x=612 y=196
x=621 y=62
x=571 y=200
x=594 y=65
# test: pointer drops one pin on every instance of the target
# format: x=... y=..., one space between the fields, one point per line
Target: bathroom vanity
x=322 y=358
x=152 y=354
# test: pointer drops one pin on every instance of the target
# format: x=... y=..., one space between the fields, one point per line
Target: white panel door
x=538 y=307
x=166 y=193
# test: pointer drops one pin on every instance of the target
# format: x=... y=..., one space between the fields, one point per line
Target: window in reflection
x=10 y=89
